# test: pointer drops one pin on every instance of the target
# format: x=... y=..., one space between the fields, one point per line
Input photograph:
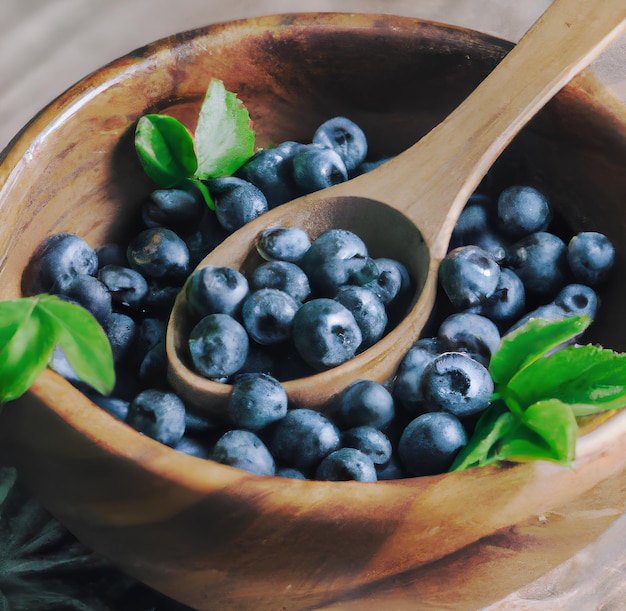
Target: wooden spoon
x=407 y=208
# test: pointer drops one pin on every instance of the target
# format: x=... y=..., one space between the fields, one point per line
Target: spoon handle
x=447 y=164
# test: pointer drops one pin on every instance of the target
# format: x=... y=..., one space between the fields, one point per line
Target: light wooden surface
x=47 y=45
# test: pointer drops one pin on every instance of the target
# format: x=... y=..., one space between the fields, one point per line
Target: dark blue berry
x=215 y=289
x=218 y=345
x=159 y=253
x=237 y=201
x=316 y=167
x=284 y=276
x=56 y=263
x=540 y=261
x=455 y=383
x=346 y=138
x=283 y=244
x=368 y=310
x=159 y=415
x=268 y=316
x=325 y=333
x=363 y=403
x=407 y=387
x=577 y=299
x=591 y=256
x=303 y=438
x=92 y=295
x=523 y=210
x=256 y=401
x=127 y=286
x=176 y=209
x=470 y=333
x=507 y=302
x=371 y=441
x=346 y=464
x=244 y=450
x=468 y=275
x=429 y=444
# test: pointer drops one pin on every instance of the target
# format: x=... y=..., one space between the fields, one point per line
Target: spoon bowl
x=416 y=197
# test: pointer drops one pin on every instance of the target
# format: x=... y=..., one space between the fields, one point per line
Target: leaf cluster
x=172 y=157
x=31 y=329
x=542 y=383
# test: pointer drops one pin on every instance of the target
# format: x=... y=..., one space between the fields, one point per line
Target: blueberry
x=193 y=447
x=159 y=415
x=493 y=242
x=176 y=209
x=468 y=275
x=218 y=345
x=346 y=138
x=204 y=238
x=283 y=244
x=393 y=280
x=259 y=360
x=92 y=295
x=429 y=443
x=470 y=333
x=540 y=261
x=153 y=367
x=159 y=253
x=334 y=258
x=346 y=464
x=268 y=316
x=284 y=276
x=121 y=331
x=391 y=470
x=270 y=170
x=368 y=310
x=368 y=165
x=215 y=289
x=591 y=256
x=523 y=210
x=577 y=299
x=364 y=403
x=407 y=387
x=290 y=472
x=159 y=299
x=371 y=441
x=150 y=332
x=237 y=201
x=127 y=286
x=118 y=408
x=55 y=264
x=256 y=401
x=303 y=438
x=455 y=383
x=316 y=167
x=508 y=301
x=473 y=218
x=244 y=450
x=325 y=333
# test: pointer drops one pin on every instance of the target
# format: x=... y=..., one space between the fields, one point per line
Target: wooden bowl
x=212 y=536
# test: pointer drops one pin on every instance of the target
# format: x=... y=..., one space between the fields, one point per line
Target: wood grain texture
x=215 y=537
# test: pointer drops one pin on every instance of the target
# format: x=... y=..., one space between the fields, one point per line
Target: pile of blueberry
x=311 y=305
x=504 y=266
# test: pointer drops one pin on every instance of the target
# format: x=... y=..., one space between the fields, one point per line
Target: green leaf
x=589 y=376
x=530 y=342
x=208 y=200
x=166 y=149
x=224 y=139
x=554 y=422
x=27 y=343
x=83 y=341
x=494 y=422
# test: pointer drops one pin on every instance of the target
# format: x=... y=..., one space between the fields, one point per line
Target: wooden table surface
x=47 y=45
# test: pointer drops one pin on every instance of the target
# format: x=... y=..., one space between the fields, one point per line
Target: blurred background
x=48 y=45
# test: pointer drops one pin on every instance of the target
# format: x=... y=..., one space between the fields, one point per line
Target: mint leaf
x=33 y=326
x=166 y=149
x=530 y=342
x=25 y=349
x=83 y=340
x=492 y=425
x=553 y=423
x=590 y=376
x=224 y=139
